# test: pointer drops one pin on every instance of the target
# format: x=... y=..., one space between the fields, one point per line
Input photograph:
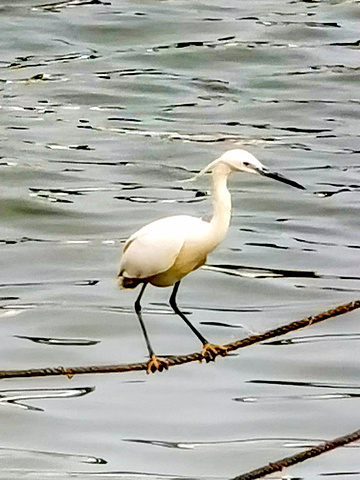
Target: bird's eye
x=246 y=164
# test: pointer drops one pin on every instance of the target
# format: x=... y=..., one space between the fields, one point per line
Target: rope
x=300 y=457
x=182 y=359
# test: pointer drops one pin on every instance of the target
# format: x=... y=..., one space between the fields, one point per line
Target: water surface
x=105 y=107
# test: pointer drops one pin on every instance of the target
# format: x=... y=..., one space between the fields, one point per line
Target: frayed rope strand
x=179 y=360
x=279 y=465
x=291 y=327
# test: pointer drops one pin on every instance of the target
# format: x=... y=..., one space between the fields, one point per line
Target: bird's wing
x=151 y=250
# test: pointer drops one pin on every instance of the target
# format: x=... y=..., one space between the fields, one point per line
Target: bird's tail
x=125 y=282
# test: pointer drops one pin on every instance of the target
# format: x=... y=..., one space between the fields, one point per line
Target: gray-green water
x=105 y=106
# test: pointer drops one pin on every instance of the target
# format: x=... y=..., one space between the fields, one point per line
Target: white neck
x=220 y=221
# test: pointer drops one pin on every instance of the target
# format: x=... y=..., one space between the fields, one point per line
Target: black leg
x=139 y=315
x=174 y=306
x=155 y=363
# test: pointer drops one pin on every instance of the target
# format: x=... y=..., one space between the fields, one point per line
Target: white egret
x=164 y=251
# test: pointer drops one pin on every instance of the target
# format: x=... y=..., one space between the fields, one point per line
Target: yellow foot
x=210 y=351
x=156 y=364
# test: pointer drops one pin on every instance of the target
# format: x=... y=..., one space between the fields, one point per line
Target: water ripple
x=58 y=6
x=80 y=283
x=21 y=453
x=259 y=272
x=18 y=396
x=269 y=442
x=286 y=398
x=306 y=384
x=316 y=338
x=68 y=342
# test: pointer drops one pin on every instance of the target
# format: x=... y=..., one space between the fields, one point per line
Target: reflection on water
x=106 y=107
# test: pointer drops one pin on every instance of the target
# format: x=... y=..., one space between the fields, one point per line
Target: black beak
x=280 y=178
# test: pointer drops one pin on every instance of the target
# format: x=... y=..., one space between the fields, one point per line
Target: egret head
x=239 y=160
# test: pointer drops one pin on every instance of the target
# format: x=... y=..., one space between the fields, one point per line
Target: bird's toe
x=210 y=351
x=156 y=364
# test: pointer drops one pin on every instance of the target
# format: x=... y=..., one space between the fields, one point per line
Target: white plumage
x=164 y=251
